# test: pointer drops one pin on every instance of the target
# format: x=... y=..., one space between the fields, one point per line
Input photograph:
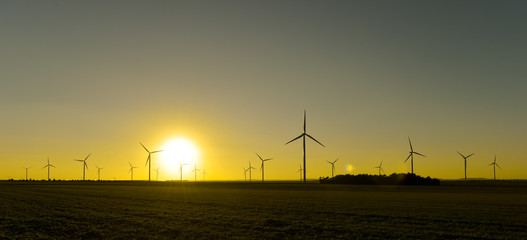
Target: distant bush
x=394 y=179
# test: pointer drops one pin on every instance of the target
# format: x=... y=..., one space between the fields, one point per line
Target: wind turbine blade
x=408 y=157
x=315 y=140
x=87 y=157
x=329 y=162
x=144 y=147
x=381 y=163
x=498 y=165
x=470 y=155
x=130 y=164
x=419 y=154
x=44 y=167
x=78 y=160
x=157 y=151
x=492 y=164
x=147 y=160
x=86 y=165
x=53 y=166
x=295 y=139
x=463 y=156
x=304 y=120
x=259 y=156
x=411 y=148
x=268 y=159
x=335 y=160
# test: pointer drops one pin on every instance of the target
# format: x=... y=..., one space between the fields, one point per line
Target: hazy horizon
x=234 y=78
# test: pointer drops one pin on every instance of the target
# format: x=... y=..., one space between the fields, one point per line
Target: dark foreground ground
x=139 y=210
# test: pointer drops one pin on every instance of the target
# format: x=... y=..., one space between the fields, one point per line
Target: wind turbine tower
x=181 y=171
x=494 y=164
x=465 y=158
x=98 y=173
x=148 y=159
x=131 y=171
x=332 y=166
x=48 y=165
x=303 y=136
x=411 y=156
x=380 y=168
x=250 y=169
x=262 y=166
x=195 y=173
x=84 y=166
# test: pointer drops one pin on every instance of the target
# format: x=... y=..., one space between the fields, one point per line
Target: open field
x=230 y=210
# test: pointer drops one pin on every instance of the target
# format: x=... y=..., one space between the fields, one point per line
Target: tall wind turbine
x=131 y=171
x=303 y=136
x=494 y=164
x=195 y=173
x=204 y=173
x=27 y=168
x=84 y=166
x=332 y=166
x=157 y=173
x=181 y=170
x=250 y=169
x=465 y=158
x=148 y=159
x=412 y=152
x=380 y=168
x=48 y=165
x=300 y=171
x=98 y=172
x=245 y=173
x=262 y=166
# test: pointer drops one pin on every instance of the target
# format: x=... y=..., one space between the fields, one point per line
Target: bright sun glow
x=178 y=150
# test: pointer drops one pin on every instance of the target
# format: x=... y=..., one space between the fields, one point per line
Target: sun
x=176 y=151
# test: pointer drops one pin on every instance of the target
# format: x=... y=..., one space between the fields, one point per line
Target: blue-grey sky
x=235 y=77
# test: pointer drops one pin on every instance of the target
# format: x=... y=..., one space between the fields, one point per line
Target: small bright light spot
x=349 y=167
x=178 y=150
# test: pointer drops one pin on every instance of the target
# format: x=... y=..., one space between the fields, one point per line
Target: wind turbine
x=250 y=169
x=380 y=168
x=131 y=171
x=262 y=166
x=245 y=173
x=157 y=173
x=98 y=172
x=27 y=168
x=48 y=165
x=204 y=173
x=195 y=173
x=494 y=164
x=181 y=170
x=465 y=158
x=303 y=136
x=412 y=155
x=332 y=166
x=148 y=159
x=84 y=166
x=300 y=171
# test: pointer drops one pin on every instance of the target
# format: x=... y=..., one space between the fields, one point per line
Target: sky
x=234 y=78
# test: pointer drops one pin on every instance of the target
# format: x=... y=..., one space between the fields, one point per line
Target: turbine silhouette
x=465 y=158
x=148 y=159
x=332 y=166
x=494 y=164
x=412 y=152
x=48 y=165
x=27 y=168
x=84 y=166
x=300 y=171
x=250 y=169
x=131 y=171
x=303 y=136
x=245 y=173
x=262 y=166
x=98 y=173
x=181 y=170
x=380 y=168
x=157 y=173
x=204 y=173
x=195 y=173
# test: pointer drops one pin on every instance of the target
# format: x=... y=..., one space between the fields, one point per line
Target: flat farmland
x=280 y=210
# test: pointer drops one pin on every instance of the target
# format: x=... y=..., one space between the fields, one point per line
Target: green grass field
x=229 y=210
